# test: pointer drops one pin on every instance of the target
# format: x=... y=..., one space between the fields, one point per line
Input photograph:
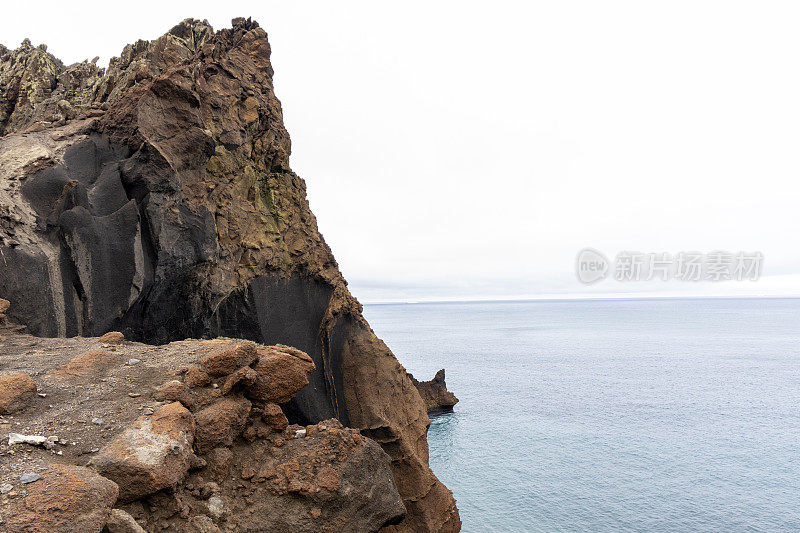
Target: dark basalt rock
x=156 y=199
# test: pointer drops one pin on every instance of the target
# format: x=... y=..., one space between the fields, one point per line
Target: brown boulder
x=66 y=499
x=152 y=454
x=16 y=390
x=219 y=424
x=282 y=373
x=229 y=358
x=112 y=337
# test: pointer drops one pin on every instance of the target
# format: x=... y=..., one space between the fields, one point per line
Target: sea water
x=675 y=415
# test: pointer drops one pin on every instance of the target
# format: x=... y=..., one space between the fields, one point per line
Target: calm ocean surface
x=636 y=415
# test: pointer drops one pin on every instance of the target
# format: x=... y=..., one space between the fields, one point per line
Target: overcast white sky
x=470 y=150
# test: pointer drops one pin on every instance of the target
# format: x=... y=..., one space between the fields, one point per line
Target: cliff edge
x=156 y=199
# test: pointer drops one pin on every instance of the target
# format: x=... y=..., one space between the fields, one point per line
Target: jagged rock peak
x=38 y=91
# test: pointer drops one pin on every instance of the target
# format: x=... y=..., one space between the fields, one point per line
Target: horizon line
x=582 y=298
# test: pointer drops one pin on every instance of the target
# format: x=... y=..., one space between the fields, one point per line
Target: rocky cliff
x=155 y=198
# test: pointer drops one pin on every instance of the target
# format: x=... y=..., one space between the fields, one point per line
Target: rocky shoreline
x=154 y=199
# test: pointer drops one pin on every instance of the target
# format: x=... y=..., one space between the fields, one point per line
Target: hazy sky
x=470 y=150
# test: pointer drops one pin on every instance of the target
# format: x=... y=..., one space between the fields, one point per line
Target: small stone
x=216 y=506
x=98 y=421
x=121 y=522
x=42 y=395
x=300 y=434
x=33 y=440
x=5 y=488
x=203 y=524
x=248 y=472
x=196 y=462
x=29 y=477
x=133 y=361
x=134 y=394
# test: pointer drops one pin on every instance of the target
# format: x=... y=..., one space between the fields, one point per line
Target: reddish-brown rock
x=330 y=480
x=4 y=306
x=67 y=499
x=219 y=424
x=152 y=454
x=228 y=358
x=241 y=379
x=16 y=390
x=274 y=417
x=196 y=377
x=282 y=373
x=175 y=391
x=112 y=337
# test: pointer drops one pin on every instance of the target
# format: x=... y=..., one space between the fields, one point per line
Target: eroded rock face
x=156 y=199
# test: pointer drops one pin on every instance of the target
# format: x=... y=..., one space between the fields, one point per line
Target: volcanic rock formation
x=435 y=394
x=156 y=199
